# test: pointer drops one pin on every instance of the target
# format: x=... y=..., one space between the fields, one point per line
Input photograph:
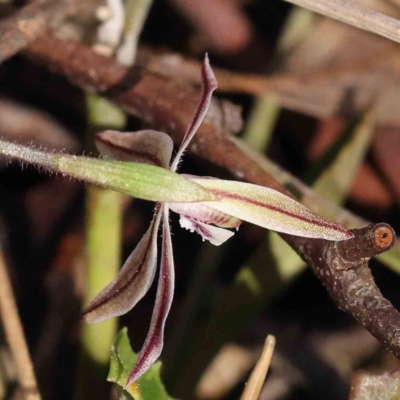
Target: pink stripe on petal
x=203 y=213
x=132 y=282
x=147 y=146
x=154 y=342
x=209 y=85
x=214 y=235
x=270 y=209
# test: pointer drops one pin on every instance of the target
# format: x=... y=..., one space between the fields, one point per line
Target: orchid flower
x=234 y=202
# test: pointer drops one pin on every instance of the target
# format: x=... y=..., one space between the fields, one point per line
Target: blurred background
x=318 y=98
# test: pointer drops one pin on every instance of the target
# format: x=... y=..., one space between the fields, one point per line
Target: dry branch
x=173 y=65
x=305 y=87
x=28 y=24
x=167 y=105
x=15 y=336
x=349 y=12
x=31 y=21
x=343 y=269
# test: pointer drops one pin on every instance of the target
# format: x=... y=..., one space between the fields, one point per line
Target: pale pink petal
x=154 y=342
x=148 y=146
x=214 y=235
x=203 y=213
x=270 y=209
x=209 y=85
x=132 y=282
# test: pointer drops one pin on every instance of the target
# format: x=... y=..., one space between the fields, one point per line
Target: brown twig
x=31 y=21
x=343 y=269
x=15 y=336
x=167 y=105
x=174 y=65
x=308 y=91
x=17 y=31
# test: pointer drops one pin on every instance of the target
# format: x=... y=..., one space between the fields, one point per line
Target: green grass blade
x=104 y=210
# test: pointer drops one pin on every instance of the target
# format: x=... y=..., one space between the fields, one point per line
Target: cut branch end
x=384 y=236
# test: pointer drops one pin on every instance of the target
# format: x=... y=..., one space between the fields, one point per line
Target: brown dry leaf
x=327 y=132
x=386 y=147
x=227 y=369
x=45 y=205
x=223 y=24
x=26 y=124
x=368 y=188
x=343 y=68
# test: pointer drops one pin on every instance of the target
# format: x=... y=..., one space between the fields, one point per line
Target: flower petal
x=203 y=213
x=209 y=85
x=132 y=282
x=147 y=146
x=215 y=235
x=154 y=342
x=270 y=209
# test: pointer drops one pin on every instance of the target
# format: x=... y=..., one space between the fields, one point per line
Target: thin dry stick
x=28 y=23
x=350 y=13
x=257 y=377
x=15 y=336
x=32 y=20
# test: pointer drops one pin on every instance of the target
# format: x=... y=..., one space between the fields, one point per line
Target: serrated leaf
x=149 y=385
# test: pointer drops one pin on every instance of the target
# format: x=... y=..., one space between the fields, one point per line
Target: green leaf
x=143 y=181
x=148 y=387
x=103 y=217
x=262 y=121
x=103 y=114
